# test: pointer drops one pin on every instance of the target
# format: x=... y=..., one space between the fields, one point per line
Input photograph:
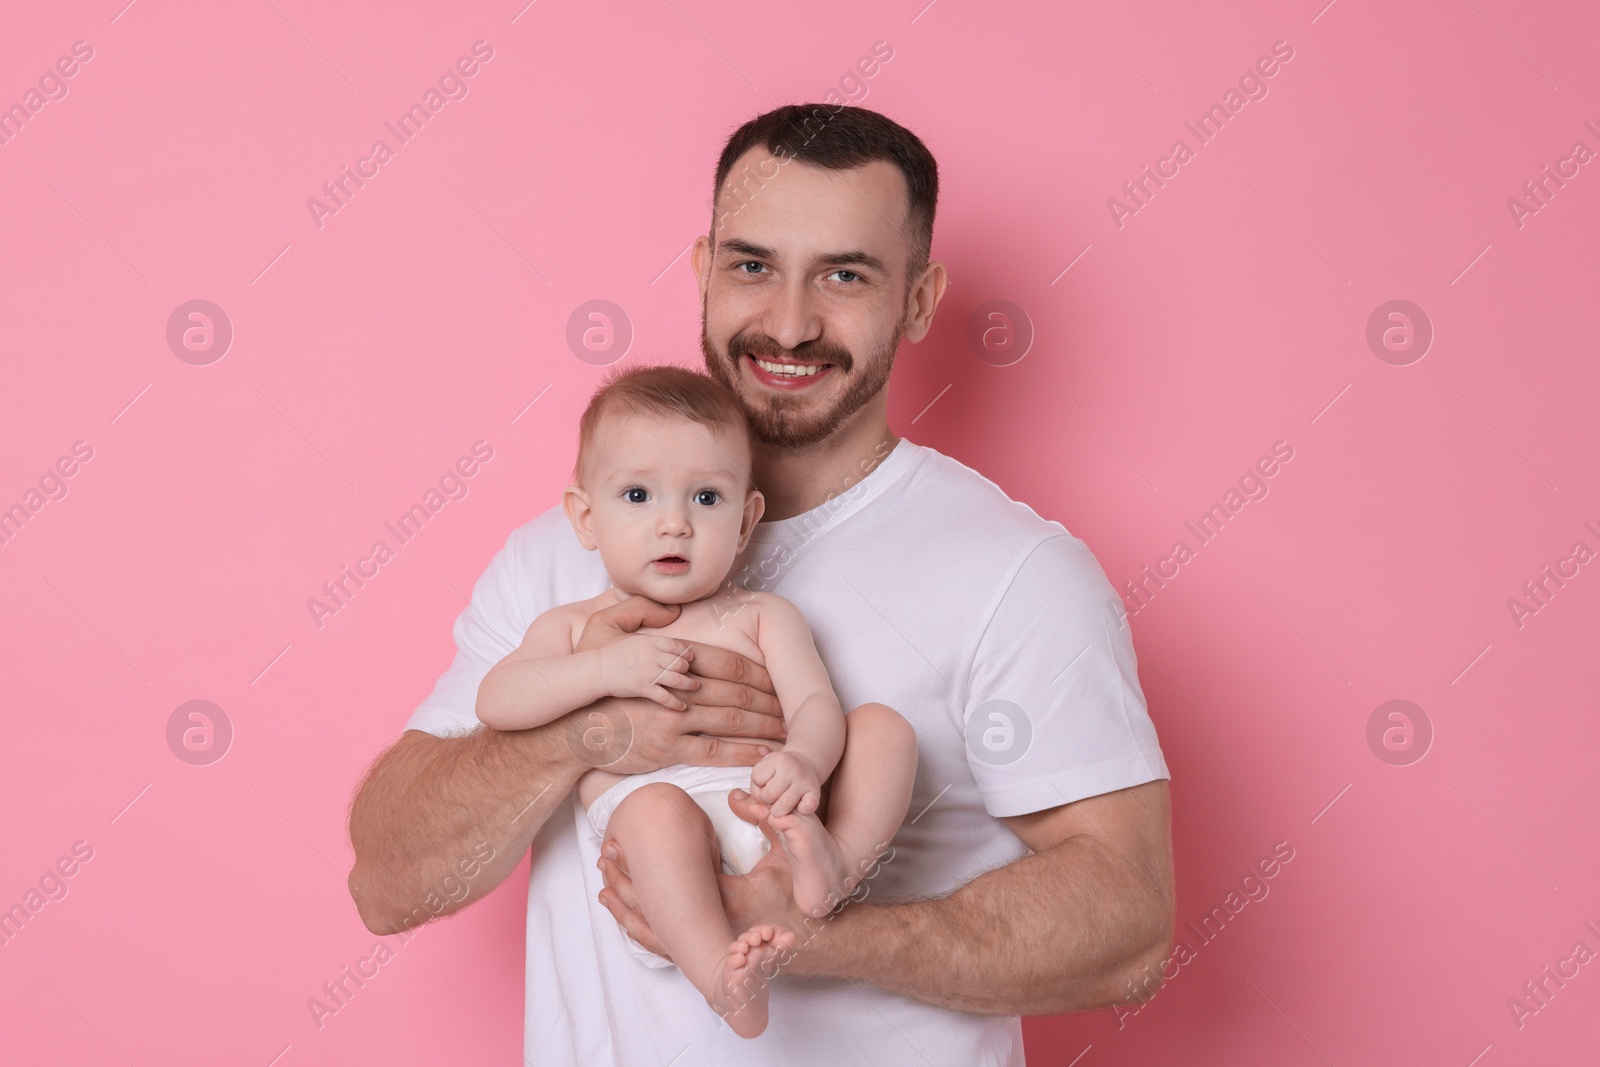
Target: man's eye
x=635 y=495
x=749 y=263
x=853 y=275
x=707 y=497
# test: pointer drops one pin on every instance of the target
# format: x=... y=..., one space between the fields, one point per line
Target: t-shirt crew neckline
x=808 y=524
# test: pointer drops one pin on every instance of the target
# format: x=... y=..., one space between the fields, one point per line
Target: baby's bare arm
x=810 y=707
x=544 y=678
x=541 y=679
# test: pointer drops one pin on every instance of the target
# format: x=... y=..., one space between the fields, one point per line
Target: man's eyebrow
x=854 y=256
x=745 y=248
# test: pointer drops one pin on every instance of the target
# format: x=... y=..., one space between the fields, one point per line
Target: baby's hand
x=786 y=781
x=644 y=665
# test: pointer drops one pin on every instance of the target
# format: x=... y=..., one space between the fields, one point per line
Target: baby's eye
x=707 y=497
x=635 y=495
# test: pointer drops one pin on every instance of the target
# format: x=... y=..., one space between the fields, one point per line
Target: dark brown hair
x=671 y=391
x=841 y=137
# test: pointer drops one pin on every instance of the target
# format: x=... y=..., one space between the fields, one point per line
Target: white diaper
x=741 y=843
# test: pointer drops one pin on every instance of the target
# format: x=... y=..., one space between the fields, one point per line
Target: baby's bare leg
x=867 y=802
x=673 y=860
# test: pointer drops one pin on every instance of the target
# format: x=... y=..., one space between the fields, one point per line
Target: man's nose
x=794 y=317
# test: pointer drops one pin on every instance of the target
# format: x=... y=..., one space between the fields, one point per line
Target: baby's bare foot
x=819 y=867
x=740 y=985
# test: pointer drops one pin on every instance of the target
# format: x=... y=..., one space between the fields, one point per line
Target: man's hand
x=623 y=618
x=734 y=698
x=764 y=896
x=1082 y=922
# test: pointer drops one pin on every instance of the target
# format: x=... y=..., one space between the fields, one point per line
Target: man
x=993 y=631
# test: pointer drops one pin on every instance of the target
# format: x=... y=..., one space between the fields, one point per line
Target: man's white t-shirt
x=992 y=630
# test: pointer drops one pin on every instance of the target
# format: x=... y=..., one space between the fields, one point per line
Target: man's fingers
x=611 y=854
x=715 y=752
x=617 y=881
x=632 y=922
x=613 y=904
x=748 y=808
x=725 y=694
x=642 y=611
x=625 y=617
x=710 y=661
x=730 y=722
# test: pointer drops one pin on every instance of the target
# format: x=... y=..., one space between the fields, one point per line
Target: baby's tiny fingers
x=677 y=648
x=678 y=667
x=665 y=699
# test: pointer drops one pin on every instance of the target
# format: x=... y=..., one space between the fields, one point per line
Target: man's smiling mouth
x=788 y=374
x=790 y=370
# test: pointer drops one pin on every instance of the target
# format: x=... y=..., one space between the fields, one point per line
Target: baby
x=663 y=491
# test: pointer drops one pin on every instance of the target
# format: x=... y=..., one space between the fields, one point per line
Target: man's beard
x=778 y=420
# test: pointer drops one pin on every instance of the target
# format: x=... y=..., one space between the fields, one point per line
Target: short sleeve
x=486 y=631
x=1054 y=711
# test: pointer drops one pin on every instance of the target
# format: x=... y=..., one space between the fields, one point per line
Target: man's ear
x=922 y=299
x=700 y=263
x=576 y=504
x=754 y=505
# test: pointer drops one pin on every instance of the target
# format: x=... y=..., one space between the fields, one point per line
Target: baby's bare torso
x=728 y=619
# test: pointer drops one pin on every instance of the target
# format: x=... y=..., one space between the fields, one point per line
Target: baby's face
x=668 y=503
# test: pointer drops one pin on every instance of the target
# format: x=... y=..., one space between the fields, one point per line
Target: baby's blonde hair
x=666 y=390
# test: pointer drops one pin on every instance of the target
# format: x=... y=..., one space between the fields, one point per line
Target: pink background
x=1229 y=313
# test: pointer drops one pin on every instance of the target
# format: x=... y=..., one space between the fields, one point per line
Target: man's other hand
x=726 y=718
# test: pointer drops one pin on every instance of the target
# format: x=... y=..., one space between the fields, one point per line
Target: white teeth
x=787 y=370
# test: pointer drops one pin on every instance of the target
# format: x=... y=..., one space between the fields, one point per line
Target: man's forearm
x=432 y=808
x=1058 y=931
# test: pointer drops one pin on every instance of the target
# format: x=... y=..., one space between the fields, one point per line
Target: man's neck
x=794 y=481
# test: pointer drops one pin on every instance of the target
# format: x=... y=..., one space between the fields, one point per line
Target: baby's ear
x=575 y=502
x=754 y=505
